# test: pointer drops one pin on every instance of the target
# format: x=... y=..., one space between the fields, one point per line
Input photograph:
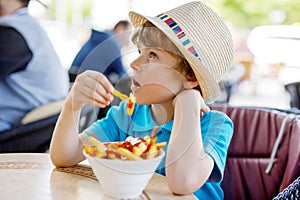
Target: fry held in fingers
x=120 y=95
x=130 y=104
x=124 y=97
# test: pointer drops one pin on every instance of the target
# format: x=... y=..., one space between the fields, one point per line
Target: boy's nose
x=136 y=64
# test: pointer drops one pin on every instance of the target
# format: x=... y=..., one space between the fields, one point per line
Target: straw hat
x=202 y=37
x=43 y=4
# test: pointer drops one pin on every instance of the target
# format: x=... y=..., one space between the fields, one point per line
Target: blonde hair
x=150 y=36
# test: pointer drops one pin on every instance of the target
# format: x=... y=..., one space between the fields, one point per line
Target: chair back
x=33 y=137
x=88 y=115
x=256 y=137
x=292 y=192
x=294 y=91
x=35 y=132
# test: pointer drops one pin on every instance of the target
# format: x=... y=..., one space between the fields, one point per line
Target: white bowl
x=124 y=179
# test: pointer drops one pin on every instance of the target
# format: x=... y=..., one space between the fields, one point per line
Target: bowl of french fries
x=124 y=168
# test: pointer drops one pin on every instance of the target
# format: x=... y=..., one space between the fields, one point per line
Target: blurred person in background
x=102 y=52
x=30 y=71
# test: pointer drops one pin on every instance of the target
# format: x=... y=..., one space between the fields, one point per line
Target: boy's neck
x=162 y=113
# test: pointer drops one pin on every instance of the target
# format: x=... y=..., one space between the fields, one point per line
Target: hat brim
x=209 y=87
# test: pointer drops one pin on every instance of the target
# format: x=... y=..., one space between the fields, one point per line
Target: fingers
x=187 y=96
x=102 y=80
x=94 y=88
x=204 y=107
x=97 y=93
x=91 y=96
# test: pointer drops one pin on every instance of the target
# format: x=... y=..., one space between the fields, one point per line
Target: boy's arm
x=187 y=165
x=89 y=88
x=65 y=148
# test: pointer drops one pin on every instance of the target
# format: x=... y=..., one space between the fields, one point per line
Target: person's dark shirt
x=100 y=53
x=14 y=51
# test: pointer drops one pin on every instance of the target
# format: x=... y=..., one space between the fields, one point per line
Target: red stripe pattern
x=180 y=34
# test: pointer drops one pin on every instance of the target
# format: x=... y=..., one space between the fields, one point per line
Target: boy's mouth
x=135 y=83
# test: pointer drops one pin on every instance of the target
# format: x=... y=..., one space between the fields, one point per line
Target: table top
x=33 y=176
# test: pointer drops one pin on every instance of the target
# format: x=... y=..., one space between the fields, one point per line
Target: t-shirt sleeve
x=217 y=131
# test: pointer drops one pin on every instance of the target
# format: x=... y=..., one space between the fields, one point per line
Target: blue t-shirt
x=216 y=128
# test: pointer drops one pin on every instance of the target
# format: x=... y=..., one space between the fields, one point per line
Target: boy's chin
x=141 y=101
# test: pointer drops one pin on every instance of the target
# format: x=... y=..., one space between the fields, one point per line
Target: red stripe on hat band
x=179 y=33
x=193 y=51
x=168 y=20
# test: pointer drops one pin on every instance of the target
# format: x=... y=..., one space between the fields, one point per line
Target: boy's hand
x=191 y=97
x=91 y=87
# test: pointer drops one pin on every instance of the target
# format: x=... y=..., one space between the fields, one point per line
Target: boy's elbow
x=58 y=160
x=180 y=190
x=184 y=186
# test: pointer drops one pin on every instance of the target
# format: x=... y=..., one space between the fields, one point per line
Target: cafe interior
x=260 y=94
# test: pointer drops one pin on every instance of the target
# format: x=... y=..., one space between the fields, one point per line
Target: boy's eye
x=152 y=55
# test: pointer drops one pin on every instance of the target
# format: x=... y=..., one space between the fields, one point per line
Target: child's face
x=155 y=79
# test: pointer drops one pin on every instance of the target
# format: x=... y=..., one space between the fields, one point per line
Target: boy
x=183 y=54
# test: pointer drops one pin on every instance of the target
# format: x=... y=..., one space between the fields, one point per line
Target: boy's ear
x=190 y=84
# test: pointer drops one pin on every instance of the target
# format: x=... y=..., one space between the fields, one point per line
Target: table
x=33 y=176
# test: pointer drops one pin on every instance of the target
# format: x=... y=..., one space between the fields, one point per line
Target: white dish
x=124 y=179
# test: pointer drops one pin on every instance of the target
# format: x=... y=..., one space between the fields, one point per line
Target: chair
x=35 y=132
x=294 y=90
x=264 y=154
x=233 y=78
x=33 y=137
x=226 y=90
x=292 y=192
x=88 y=115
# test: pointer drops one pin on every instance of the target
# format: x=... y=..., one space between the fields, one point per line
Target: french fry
x=152 y=152
x=91 y=150
x=131 y=149
x=130 y=104
x=112 y=155
x=94 y=151
x=112 y=146
x=153 y=139
x=118 y=94
x=99 y=147
x=128 y=154
x=147 y=139
x=160 y=145
x=141 y=148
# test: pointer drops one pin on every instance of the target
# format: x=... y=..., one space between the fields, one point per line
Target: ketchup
x=130 y=104
x=129 y=144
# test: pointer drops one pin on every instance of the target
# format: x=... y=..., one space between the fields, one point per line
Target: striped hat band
x=180 y=34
